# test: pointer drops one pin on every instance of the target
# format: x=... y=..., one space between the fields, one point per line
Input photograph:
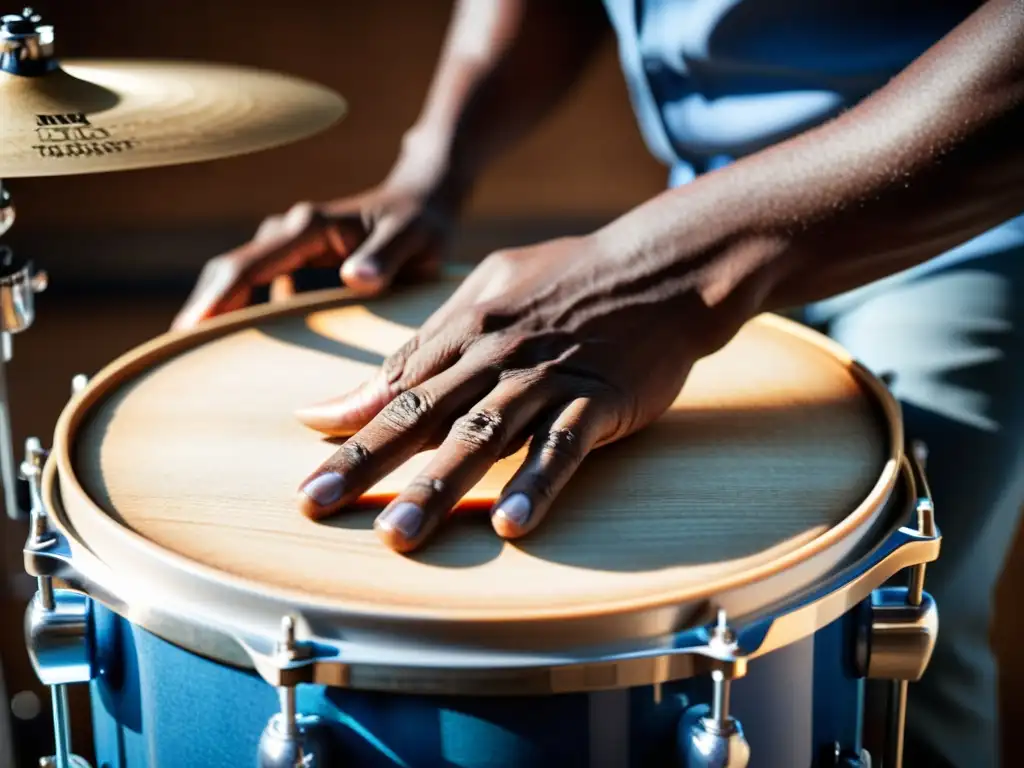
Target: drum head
x=779 y=453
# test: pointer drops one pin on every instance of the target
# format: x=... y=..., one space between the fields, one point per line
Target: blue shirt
x=713 y=80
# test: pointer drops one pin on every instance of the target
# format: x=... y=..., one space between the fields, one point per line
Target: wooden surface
x=101 y=115
x=771 y=444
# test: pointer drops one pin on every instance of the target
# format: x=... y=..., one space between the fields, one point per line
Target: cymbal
x=111 y=115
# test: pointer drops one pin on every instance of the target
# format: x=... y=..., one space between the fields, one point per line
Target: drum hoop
x=170 y=344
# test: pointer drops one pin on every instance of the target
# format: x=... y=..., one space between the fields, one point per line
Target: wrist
x=713 y=236
x=425 y=167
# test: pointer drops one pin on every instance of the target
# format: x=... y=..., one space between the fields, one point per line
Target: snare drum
x=704 y=590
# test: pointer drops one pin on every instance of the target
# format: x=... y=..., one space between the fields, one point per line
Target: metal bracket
x=290 y=739
x=710 y=737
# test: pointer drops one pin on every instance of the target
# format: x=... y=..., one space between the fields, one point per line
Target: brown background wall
x=585 y=164
x=587 y=161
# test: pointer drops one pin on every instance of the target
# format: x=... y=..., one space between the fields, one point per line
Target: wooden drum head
x=769 y=468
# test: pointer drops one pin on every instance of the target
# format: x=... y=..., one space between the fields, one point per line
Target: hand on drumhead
x=567 y=345
x=374 y=239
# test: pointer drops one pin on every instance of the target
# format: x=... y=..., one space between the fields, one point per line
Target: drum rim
x=164 y=347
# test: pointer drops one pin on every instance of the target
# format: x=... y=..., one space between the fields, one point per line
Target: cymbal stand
x=18 y=286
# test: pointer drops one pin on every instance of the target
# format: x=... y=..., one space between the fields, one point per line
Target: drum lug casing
x=901 y=636
x=705 y=745
x=59 y=638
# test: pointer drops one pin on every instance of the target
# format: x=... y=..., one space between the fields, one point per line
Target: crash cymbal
x=92 y=116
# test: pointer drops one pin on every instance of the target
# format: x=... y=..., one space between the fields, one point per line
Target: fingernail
x=325 y=489
x=363 y=271
x=366 y=271
x=516 y=509
x=404 y=517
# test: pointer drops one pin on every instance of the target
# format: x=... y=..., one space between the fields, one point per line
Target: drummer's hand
x=571 y=344
x=375 y=237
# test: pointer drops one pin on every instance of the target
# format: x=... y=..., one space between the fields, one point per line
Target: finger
x=218 y=290
x=555 y=453
x=281 y=245
x=476 y=441
x=394 y=240
x=282 y=288
x=395 y=434
x=409 y=367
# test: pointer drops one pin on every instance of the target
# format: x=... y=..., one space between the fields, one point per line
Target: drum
x=706 y=592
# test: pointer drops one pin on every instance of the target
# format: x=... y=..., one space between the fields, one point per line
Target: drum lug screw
x=709 y=737
x=79 y=382
x=290 y=739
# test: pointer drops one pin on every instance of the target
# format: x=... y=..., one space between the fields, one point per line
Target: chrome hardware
x=74 y=761
x=711 y=737
x=6 y=210
x=18 y=287
x=57 y=622
x=26 y=44
x=58 y=637
x=8 y=473
x=704 y=745
x=846 y=759
x=290 y=739
x=78 y=383
x=41 y=533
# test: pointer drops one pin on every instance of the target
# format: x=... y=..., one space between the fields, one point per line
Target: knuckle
x=482 y=430
x=352 y=454
x=394 y=365
x=563 y=446
x=497 y=258
x=531 y=377
x=408 y=410
x=221 y=264
x=302 y=216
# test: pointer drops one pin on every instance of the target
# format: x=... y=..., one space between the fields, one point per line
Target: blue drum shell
x=155 y=705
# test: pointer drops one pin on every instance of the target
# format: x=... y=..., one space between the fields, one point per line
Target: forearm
x=505 y=64
x=929 y=161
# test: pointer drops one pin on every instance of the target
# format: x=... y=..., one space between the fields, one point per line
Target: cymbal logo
x=72 y=135
x=68 y=118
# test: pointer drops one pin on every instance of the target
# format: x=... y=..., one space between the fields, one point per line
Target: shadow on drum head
x=744 y=483
x=300 y=336
x=741 y=486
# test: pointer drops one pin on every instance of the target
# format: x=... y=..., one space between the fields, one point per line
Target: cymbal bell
x=109 y=115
